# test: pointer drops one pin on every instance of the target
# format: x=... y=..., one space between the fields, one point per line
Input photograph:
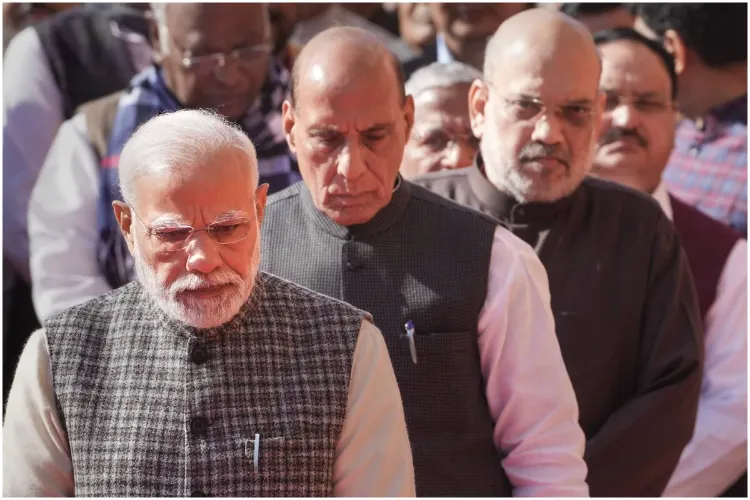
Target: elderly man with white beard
x=204 y=376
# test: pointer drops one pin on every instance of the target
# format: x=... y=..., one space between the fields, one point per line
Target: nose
x=203 y=255
x=548 y=129
x=457 y=154
x=350 y=164
x=625 y=116
x=228 y=72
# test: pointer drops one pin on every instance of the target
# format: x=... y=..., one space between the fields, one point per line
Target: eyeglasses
x=209 y=64
x=641 y=104
x=174 y=237
x=525 y=109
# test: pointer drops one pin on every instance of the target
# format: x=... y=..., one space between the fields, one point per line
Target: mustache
x=537 y=150
x=195 y=281
x=617 y=133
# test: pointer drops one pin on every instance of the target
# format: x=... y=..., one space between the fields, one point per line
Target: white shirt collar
x=662 y=198
x=444 y=55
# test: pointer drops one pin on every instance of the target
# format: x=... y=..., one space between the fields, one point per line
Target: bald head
x=339 y=56
x=540 y=35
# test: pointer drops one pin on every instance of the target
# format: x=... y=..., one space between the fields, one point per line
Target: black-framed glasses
x=174 y=237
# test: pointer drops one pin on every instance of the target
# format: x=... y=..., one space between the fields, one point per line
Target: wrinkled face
x=537 y=123
x=205 y=283
x=415 y=24
x=637 y=133
x=349 y=139
x=441 y=137
x=206 y=29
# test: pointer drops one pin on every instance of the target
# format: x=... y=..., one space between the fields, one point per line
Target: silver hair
x=177 y=142
x=438 y=75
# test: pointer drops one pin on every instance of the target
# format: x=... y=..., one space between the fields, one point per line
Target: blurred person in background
x=600 y=16
x=415 y=25
x=50 y=69
x=441 y=137
x=708 y=166
x=462 y=32
x=212 y=55
x=320 y=17
x=634 y=145
x=17 y=16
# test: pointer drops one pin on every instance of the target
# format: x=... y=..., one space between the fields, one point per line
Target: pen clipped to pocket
x=410 y=333
x=253 y=448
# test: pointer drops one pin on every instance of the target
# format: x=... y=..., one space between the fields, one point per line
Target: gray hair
x=438 y=75
x=180 y=141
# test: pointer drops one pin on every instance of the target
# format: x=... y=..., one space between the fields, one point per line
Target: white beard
x=204 y=312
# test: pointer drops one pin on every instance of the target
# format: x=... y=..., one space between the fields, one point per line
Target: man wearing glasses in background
x=204 y=377
x=215 y=56
x=625 y=308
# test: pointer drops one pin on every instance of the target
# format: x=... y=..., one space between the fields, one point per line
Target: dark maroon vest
x=707 y=243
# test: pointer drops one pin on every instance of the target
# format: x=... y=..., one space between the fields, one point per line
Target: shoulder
x=622 y=204
x=99 y=310
x=287 y=294
x=287 y=195
x=687 y=216
x=428 y=200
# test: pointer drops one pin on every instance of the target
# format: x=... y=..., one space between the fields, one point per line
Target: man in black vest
x=624 y=303
x=462 y=303
x=639 y=80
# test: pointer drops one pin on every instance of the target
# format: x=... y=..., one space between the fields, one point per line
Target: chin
x=350 y=217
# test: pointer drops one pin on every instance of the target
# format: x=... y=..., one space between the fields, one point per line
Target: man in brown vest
x=625 y=309
x=635 y=142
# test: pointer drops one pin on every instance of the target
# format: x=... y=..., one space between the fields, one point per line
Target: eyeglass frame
x=151 y=232
x=589 y=110
x=219 y=59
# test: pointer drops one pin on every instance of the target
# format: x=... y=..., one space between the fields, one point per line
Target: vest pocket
x=289 y=466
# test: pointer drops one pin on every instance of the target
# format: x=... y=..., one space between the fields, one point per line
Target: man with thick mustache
x=205 y=377
x=640 y=82
x=625 y=307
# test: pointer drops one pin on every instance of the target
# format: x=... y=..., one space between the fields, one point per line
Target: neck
x=716 y=87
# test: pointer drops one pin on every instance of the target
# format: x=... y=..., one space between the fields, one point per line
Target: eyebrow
x=171 y=220
x=641 y=95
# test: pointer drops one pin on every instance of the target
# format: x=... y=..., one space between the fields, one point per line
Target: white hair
x=440 y=75
x=180 y=141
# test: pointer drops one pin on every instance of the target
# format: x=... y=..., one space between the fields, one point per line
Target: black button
x=198 y=493
x=198 y=425
x=199 y=354
x=352 y=265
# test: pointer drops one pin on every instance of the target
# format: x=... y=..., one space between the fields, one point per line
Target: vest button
x=198 y=425
x=199 y=354
x=198 y=493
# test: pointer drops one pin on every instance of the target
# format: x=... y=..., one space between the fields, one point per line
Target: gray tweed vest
x=151 y=408
x=421 y=258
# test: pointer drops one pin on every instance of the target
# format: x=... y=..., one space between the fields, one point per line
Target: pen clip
x=410 y=332
x=256 y=452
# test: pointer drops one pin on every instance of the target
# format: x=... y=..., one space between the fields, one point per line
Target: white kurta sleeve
x=530 y=396
x=36 y=454
x=63 y=224
x=373 y=455
x=717 y=454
